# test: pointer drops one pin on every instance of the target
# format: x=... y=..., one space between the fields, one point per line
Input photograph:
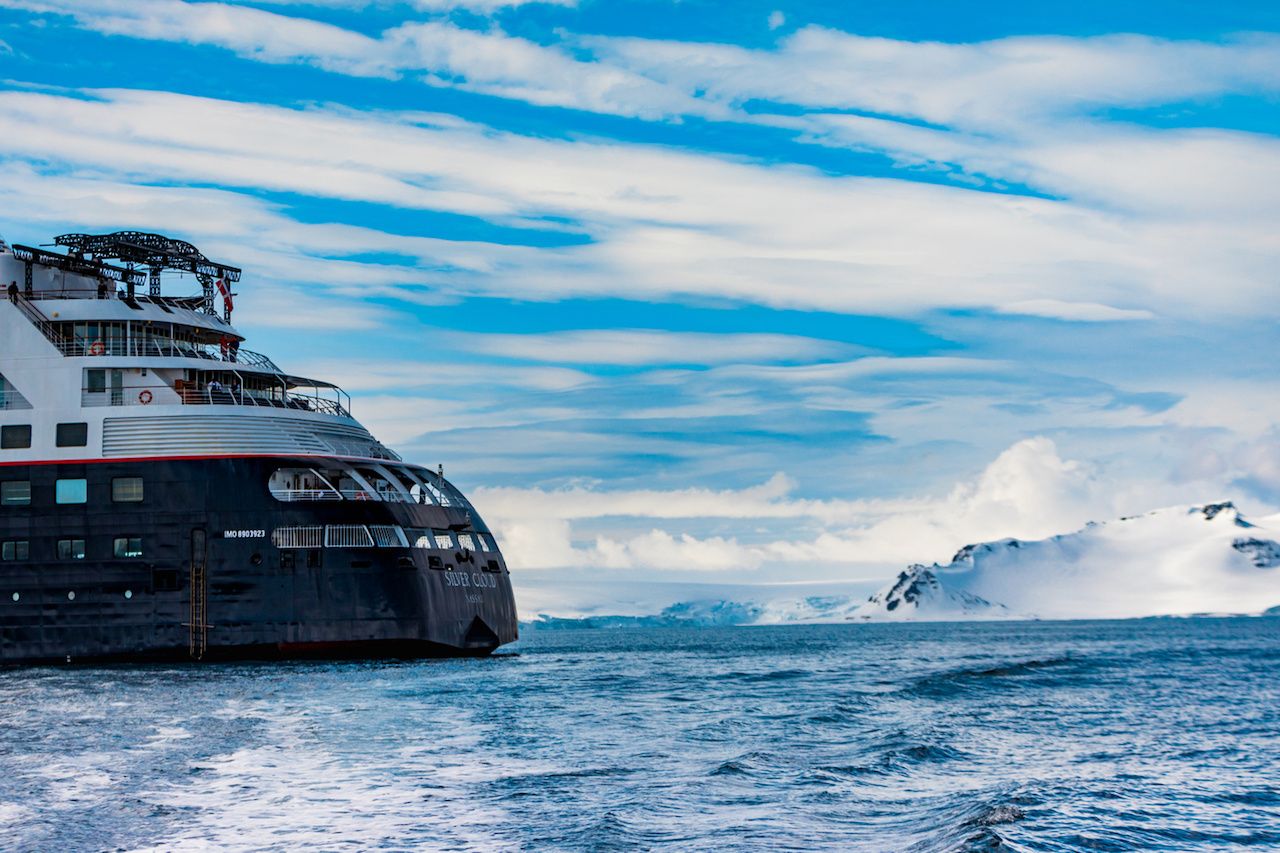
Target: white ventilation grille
x=298 y=537
x=347 y=536
x=149 y=436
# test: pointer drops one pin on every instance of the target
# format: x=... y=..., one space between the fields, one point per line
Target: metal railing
x=140 y=347
x=305 y=495
x=165 y=348
x=298 y=537
x=289 y=495
x=168 y=395
x=36 y=316
x=347 y=536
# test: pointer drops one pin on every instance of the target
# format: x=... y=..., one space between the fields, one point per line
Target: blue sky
x=739 y=291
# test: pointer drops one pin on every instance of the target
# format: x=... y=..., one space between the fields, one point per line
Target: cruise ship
x=168 y=494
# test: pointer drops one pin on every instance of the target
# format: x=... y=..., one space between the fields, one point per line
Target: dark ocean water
x=1027 y=736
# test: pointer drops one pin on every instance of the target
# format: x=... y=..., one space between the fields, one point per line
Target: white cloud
x=291 y=308
x=1009 y=111
x=409 y=373
x=1029 y=491
x=477 y=6
x=982 y=85
x=651 y=346
x=442 y=54
x=252 y=33
x=487 y=6
x=994 y=84
x=664 y=224
x=1083 y=311
x=493 y=63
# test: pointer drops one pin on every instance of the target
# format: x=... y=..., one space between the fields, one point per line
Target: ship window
x=71 y=491
x=465 y=540
x=313 y=559
x=73 y=435
x=419 y=537
x=126 y=489
x=487 y=542
x=15 y=436
x=15 y=493
x=95 y=381
x=444 y=539
x=301 y=484
x=15 y=549
x=70 y=549
x=127 y=546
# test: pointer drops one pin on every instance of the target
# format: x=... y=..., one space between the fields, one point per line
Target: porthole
x=16 y=596
x=128 y=593
x=71 y=596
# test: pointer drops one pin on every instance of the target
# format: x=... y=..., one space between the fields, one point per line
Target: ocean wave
x=1052 y=737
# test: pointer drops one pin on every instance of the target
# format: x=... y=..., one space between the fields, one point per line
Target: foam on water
x=1025 y=736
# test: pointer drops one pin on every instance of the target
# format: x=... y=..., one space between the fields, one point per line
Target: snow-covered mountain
x=1179 y=561
x=1170 y=562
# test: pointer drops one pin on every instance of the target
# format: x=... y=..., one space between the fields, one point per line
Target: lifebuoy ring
x=144 y=397
x=97 y=348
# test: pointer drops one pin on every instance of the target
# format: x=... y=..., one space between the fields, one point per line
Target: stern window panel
x=15 y=549
x=15 y=493
x=15 y=436
x=70 y=549
x=71 y=491
x=73 y=435
x=127 y=546
x=126 y=489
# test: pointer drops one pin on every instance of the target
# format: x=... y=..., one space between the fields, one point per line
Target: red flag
x=225 y=292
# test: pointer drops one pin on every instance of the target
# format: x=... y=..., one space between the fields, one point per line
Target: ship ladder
x=198 y=627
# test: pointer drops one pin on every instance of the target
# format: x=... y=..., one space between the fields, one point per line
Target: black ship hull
x=192 y=570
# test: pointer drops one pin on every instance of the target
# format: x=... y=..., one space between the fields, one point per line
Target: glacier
x=1180 y=561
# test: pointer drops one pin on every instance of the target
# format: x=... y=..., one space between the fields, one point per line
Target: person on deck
x=13 y=292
